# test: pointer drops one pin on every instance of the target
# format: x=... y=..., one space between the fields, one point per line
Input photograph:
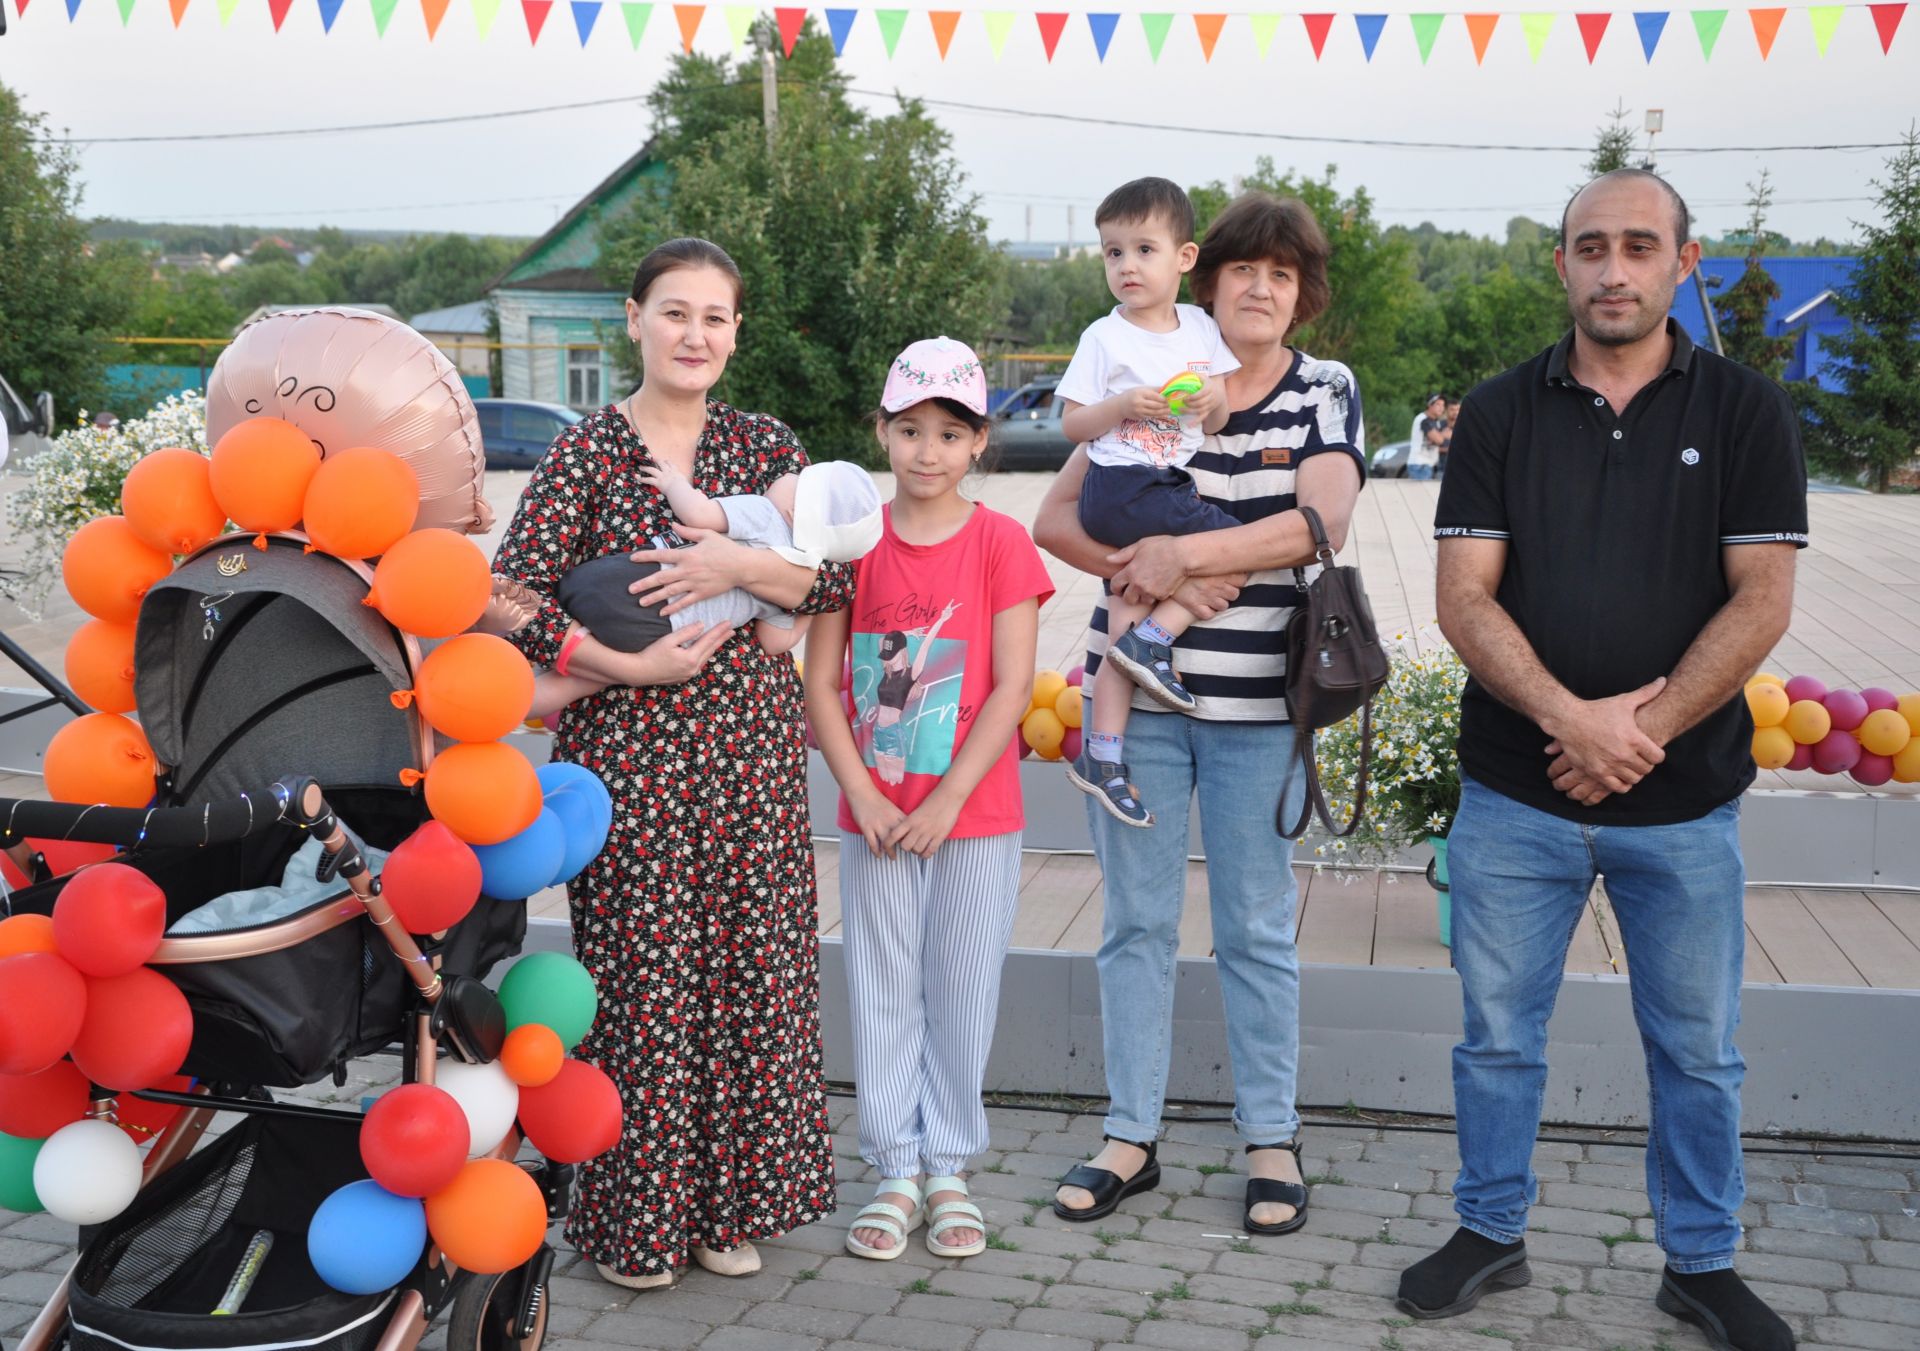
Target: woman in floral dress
x=698 y=919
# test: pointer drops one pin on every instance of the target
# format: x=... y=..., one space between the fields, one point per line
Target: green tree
x=61 y=299
x=1612 y=145
x=1052 y=302
x=855 y=235
x=1870 y=425
x=187 y=305
x=1740 y=310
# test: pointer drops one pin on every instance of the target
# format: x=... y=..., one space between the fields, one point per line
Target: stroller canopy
x=252 y=665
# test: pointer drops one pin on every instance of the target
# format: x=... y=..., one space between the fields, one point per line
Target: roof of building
x=468 y=318
x=1805 y=284
x=565 y=258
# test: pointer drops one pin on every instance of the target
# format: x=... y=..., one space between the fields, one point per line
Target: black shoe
x=1106 y=782
x=1720 y=1304
x=1108 y=1188
x=1452 y=1280
x=1271 y=1191
x=1150 y=666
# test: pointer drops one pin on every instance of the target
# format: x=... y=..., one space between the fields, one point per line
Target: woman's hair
x=684 y=253
x=975 y=422
x=1257 y=227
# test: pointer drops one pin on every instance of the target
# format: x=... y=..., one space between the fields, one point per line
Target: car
x=517 y=432
x=1027 y=430
x=29 y=426
x=1390 y=461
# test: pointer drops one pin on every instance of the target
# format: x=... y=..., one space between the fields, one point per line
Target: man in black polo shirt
x=1617 y=534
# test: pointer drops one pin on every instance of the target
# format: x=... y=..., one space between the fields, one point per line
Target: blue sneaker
x=1150 y=666
x=1106 y=782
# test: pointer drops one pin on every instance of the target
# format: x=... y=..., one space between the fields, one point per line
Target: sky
x=1038 y=177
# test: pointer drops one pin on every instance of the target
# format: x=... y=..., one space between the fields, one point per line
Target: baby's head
x=781 y=493
x=834 y=509
x=1146 y=241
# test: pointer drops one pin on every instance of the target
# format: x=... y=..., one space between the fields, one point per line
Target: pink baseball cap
x=936 y=368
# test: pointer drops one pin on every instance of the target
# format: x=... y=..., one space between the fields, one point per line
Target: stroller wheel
x=490 y=1311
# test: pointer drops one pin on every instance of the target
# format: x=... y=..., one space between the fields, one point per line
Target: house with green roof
x=556 y=308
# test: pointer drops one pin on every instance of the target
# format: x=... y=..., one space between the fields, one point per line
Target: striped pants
x=925 y=940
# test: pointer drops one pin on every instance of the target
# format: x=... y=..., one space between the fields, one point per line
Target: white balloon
x=87 y=1172
x=489 y=1098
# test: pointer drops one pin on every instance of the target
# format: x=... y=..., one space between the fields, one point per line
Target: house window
x=583 y=377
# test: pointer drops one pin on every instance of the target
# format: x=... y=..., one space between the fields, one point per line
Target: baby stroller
x=263 y=686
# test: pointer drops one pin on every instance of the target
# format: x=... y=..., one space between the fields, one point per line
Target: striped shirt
x=1235 y=664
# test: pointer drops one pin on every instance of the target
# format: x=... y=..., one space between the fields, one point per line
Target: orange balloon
x=432 y=584
x=168 y=500
x=361 y=502
x=1044 y=732
x=1068 y=708
x=260 y=472
x=1768 y=703
x=108 y=570
x=483 y=791
x=532 y=1055
x=1767 y=678
x=102 y=757
x=473 y=688
x=100 y=665
x=490 y=1218
x=1046 y=688
x=1772 y=747
x=1909 y=708
x=26 y=933
x=1808 y=721
x=1906 y=765
x=1884 y=732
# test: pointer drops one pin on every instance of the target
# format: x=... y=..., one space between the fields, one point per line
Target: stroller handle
x=97 y=823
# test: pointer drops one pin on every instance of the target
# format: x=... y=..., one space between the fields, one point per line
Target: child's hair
x=975 y=422
x=1149 y=199
x=675 y=254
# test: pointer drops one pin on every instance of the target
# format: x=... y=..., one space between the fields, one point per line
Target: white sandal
x=886 y=1216
x=954 y=1215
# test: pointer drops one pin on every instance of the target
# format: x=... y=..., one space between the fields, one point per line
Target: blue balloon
x=559 y=774
x=364 y=1239
x=586 y=832
x=515 y=868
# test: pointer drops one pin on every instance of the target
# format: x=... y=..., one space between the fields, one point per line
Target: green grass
x=996 y=1167
x=1391 y=1343
x=1242 y=1244
x=809 y=1274
x=1002 y=1244
x=1326 y=1179
x=1107 y=1237
x=1037 y=1202
x=1614 y=1240
x=1397 y=1323
x=923 y=1286
x=1292 y=1308
x=1178 y=1290
x=1209 y=1169
x=1561 y=1290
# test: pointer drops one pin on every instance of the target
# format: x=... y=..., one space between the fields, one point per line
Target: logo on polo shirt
x=1689 y=456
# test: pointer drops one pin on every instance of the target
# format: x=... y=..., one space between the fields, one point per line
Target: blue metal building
x=1804 y=308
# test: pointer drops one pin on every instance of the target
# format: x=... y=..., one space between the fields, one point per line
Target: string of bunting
x=1649 y=26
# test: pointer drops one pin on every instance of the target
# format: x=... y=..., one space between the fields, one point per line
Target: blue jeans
x=1421 y=471
x=1240 y=770
x=1520 y=880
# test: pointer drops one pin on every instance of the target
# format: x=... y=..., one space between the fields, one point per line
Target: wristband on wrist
x=573 y=641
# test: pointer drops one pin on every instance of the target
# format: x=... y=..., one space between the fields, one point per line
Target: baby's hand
x=661 y=476
x=1143 y=404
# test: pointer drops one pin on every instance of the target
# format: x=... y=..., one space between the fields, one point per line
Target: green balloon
x=16 y=1174
x=552 y=989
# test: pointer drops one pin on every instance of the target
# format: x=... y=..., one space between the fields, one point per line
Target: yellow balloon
x=1767 y=703
x=1766 y=678
x=1906 y=765
x=1807 y=721
x=1910 y=710
x=1044 y=732
x=1046 y=688
x=1772 y=747
x=1067 y=707
x=1885 y=732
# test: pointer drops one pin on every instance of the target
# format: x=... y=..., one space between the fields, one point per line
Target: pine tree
x=1870 y=426
x=1741 y=309
x=1613 y=146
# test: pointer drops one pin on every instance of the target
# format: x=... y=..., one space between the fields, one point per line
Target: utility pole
x=769 y=96
x=1029 y=222
x=1069 y=227
x=1656 y=123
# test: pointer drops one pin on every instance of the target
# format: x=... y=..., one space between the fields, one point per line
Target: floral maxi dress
x=699 y=918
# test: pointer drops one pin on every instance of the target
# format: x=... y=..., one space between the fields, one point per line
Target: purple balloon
x=1078 y=675
x=1878 y=698
x=1070 y=744
x=1802 y=757
x=1848 y=709
x=1872 y=770
x=1836 y=753
x=1805 y=687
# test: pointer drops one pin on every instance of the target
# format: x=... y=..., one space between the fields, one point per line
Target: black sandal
x=1109 y=1188
x=1272 y=1191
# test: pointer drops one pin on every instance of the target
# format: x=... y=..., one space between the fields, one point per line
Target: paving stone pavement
x=1833 y=1243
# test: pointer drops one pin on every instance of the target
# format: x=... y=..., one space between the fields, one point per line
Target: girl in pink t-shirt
x=939 y=642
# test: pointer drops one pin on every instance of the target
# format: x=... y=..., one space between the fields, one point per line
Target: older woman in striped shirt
x=1294 y=438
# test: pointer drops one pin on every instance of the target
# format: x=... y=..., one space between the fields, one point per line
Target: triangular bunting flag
x=1706 y=25
x=1766 y=27
x=226 y=10
x=740 y=23
x=484 y=13
x=586 y=13
x=1318 y=26
x=892 y=23
x=73 y=8
x=944 y=21
x=1207 y=28
x=1825 y=19
x=1480 y=29
x=1051 y=26
x=382 y=15
x=688 y=17
x=433 y=11
x=1370 y=26
x=179 y=8
x=126 y=13
x=277 y=8
x=840 y=24
x=791 y=21
x=1426 y=27
x=329 y=11
x=1593 y=27
x=534 y=11
x=1651 y=24
x=1102 y=26
x=636 y=17
x=1264 y=26
x=1886 y=22
x=999 y=24
x=1536 y=27
x=1156 y=26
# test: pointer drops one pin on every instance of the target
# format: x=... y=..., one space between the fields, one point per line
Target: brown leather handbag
x=1335 y=664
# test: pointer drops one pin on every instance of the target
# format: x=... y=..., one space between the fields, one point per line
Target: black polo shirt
x=1614 y=528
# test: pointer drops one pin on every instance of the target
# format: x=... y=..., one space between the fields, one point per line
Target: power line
x=344 y=128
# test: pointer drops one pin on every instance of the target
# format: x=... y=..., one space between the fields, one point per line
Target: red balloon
x=1802 y=757
x=137 y=1030
x=63 y=856
x=1836 y=753
x=144 y=1121
x=432 y=880
x=109 y=919
x=575 y=1116
x=43 y=1002
x=1872 y=770
x=34 y=1106
x=415 y=1140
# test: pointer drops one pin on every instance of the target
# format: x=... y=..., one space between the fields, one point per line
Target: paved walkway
x=1832 y=1243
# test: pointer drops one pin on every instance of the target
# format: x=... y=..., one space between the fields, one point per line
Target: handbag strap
x=1322 y=544
x=1315 y=798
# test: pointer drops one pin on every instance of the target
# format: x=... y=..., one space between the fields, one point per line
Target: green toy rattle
x=1179 y=389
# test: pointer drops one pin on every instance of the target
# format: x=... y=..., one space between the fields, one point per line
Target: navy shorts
x=1122 y=504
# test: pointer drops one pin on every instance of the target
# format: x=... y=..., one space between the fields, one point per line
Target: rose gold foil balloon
x=354 y=378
